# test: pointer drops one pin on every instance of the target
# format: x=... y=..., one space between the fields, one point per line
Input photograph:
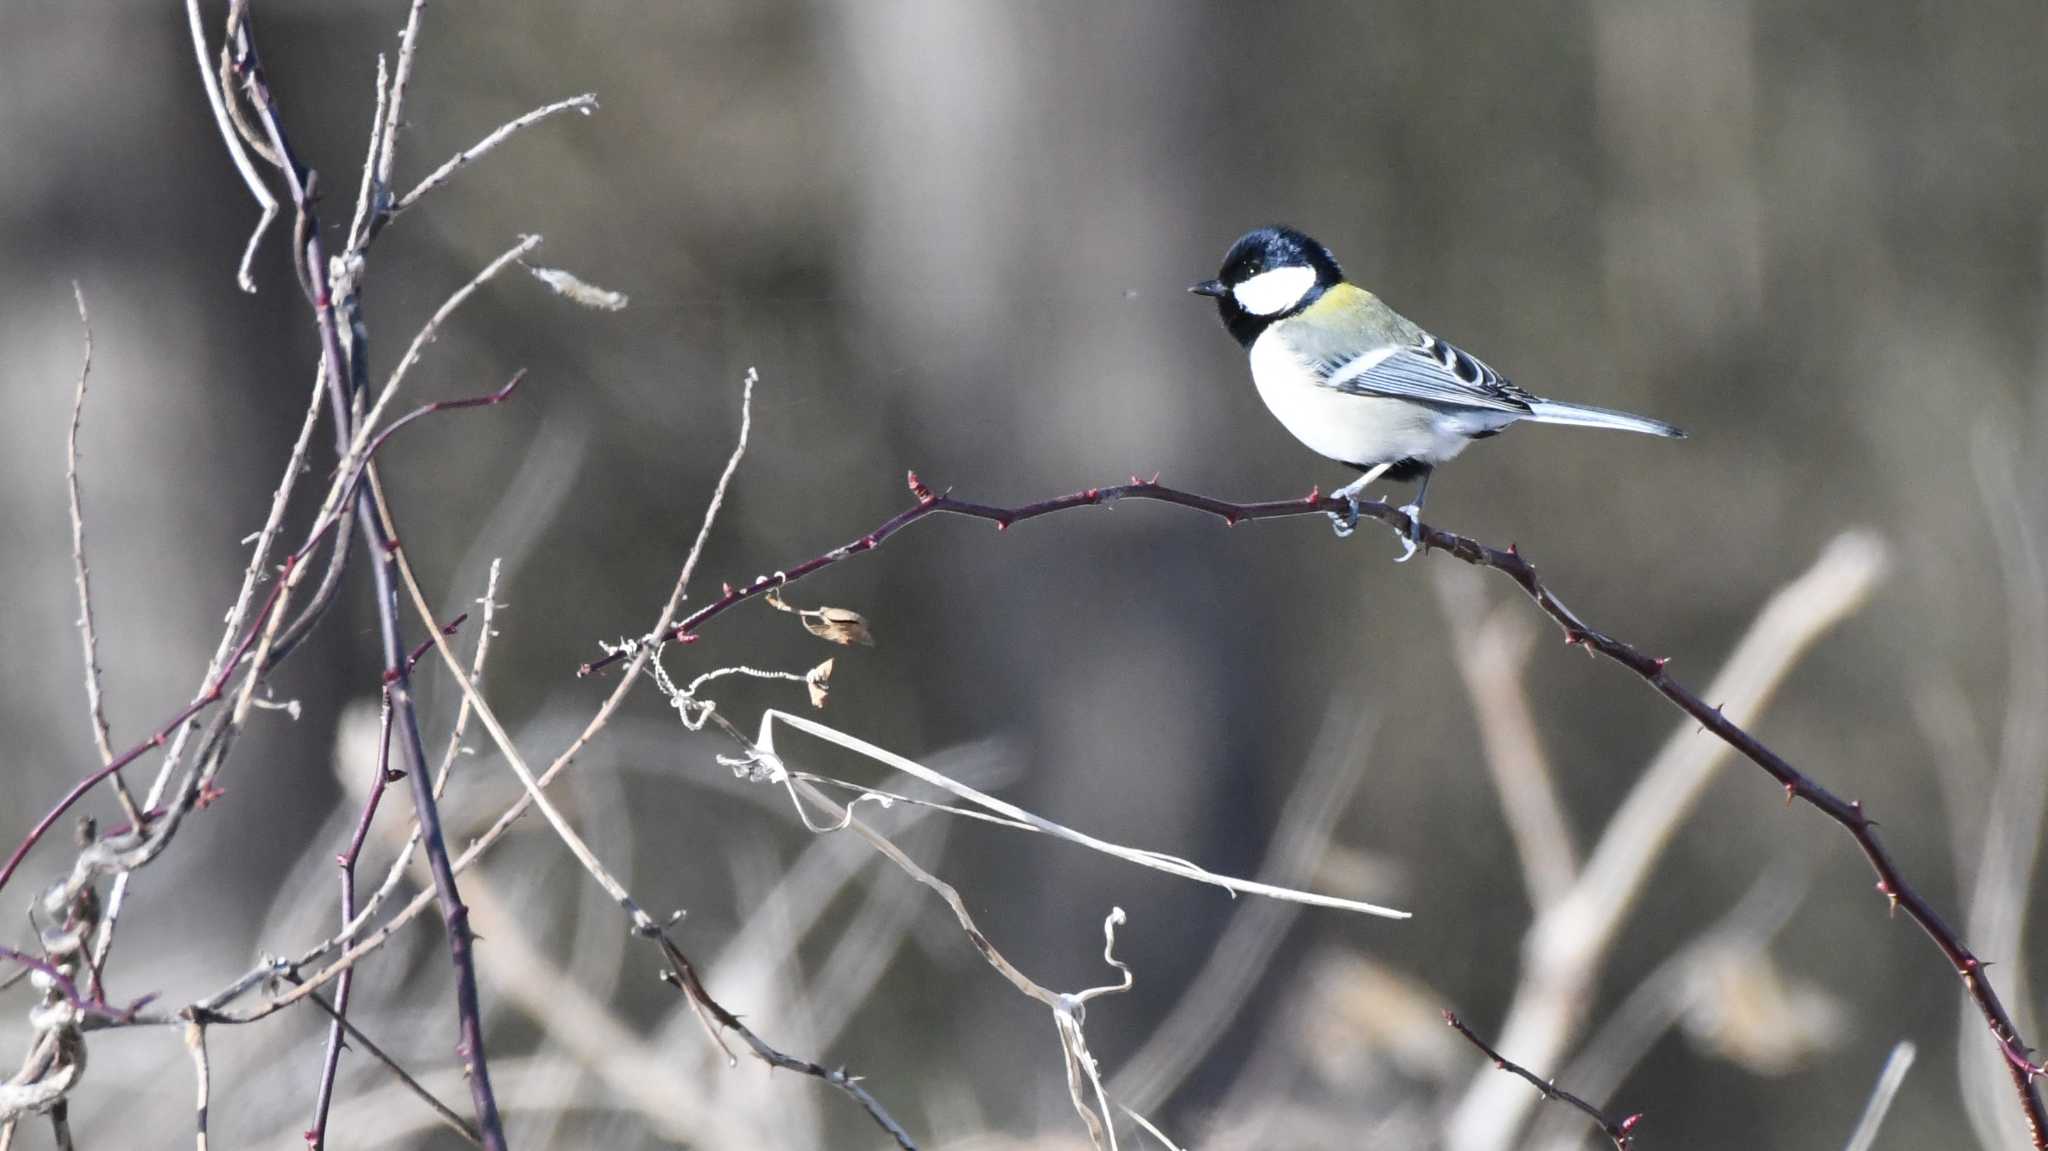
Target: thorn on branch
x=1619 y=1131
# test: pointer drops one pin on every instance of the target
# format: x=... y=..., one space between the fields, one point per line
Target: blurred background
x=953 y=237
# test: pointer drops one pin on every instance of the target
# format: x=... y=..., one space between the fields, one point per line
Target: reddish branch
x=1849 y=814
x=1621 y=1131
x=381 y=776
x=310 y=257
x=94 y=1006
x=216 y=690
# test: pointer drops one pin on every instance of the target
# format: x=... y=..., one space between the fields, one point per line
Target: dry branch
x=1847 y=814
x=1618 y=1130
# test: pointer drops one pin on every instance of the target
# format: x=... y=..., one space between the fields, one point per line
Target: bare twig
x=369 y=190
x=202 y=1078
x=63 y=987
x=642 y=922
x=261 y=647
x=259 y=558
x=445 y=1113
x=1674 y=989
x=1066 y=1008
x=1847 y=814
x=585 y=104
x=577 y=1022
x=519 y=807
x=399 y=863
x=644 y=925
x=210 y=81
x=316 y=1135
x=353 y=445
x=2008 y=833
x=682 y=975
x=366 y=427
x=1896 y=1065
x=386 y=153
x=1569 y=944
x=1619 y=1130
x=87 y=636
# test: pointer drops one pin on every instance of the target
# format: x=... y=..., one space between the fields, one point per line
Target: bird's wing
x=1428 y=371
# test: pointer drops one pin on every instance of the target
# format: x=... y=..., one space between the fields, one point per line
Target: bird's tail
x=1586 y=416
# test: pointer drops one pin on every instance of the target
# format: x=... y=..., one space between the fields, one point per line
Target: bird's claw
x=1345 y=524
x=1413 y=536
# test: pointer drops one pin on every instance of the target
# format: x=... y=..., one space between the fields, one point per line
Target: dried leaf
x=837 y=625
x=819 y=681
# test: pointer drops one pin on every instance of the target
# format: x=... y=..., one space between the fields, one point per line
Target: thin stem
x=455 y=916
x=1849 y=814
x=469 y=1015
x=1618 y=1130
x=88 y=637
x=584 y=104
x=261 y=644
x=446 y=1114
x=316 y=1135
x=202 y=1077
x=682 y=975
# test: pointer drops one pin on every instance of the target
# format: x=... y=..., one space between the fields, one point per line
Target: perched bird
x=1358 y=382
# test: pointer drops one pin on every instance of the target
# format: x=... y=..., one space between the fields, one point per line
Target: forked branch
x=1849 y=814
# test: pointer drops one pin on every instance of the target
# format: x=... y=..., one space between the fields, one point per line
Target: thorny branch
x=358 y=440
x=682 y=975
x=1849 y=814
x=1619 y=1130
x=251 y=128
x=251 y=648
x=87 y=635
x=316 y=1135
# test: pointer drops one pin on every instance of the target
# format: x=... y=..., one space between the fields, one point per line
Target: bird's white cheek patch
x=1270 y=293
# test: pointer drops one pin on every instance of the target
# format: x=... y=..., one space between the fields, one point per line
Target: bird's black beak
x=1210 y=288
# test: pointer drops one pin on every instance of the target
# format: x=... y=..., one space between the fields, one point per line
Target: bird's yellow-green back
x=1343 y=323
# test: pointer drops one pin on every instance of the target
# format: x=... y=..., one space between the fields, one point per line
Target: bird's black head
x=1269 y=274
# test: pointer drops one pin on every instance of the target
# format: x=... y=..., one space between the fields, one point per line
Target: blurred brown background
x=953 y=237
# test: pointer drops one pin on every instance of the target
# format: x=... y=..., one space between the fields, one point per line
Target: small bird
x=1358 y=382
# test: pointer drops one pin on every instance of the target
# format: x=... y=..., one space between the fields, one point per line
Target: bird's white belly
x=1355 y=429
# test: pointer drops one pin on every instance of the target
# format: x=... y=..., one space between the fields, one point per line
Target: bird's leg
x=1349 y=493
x=1414 y=513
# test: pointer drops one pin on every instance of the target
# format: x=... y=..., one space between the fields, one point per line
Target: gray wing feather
x=1432 y=372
